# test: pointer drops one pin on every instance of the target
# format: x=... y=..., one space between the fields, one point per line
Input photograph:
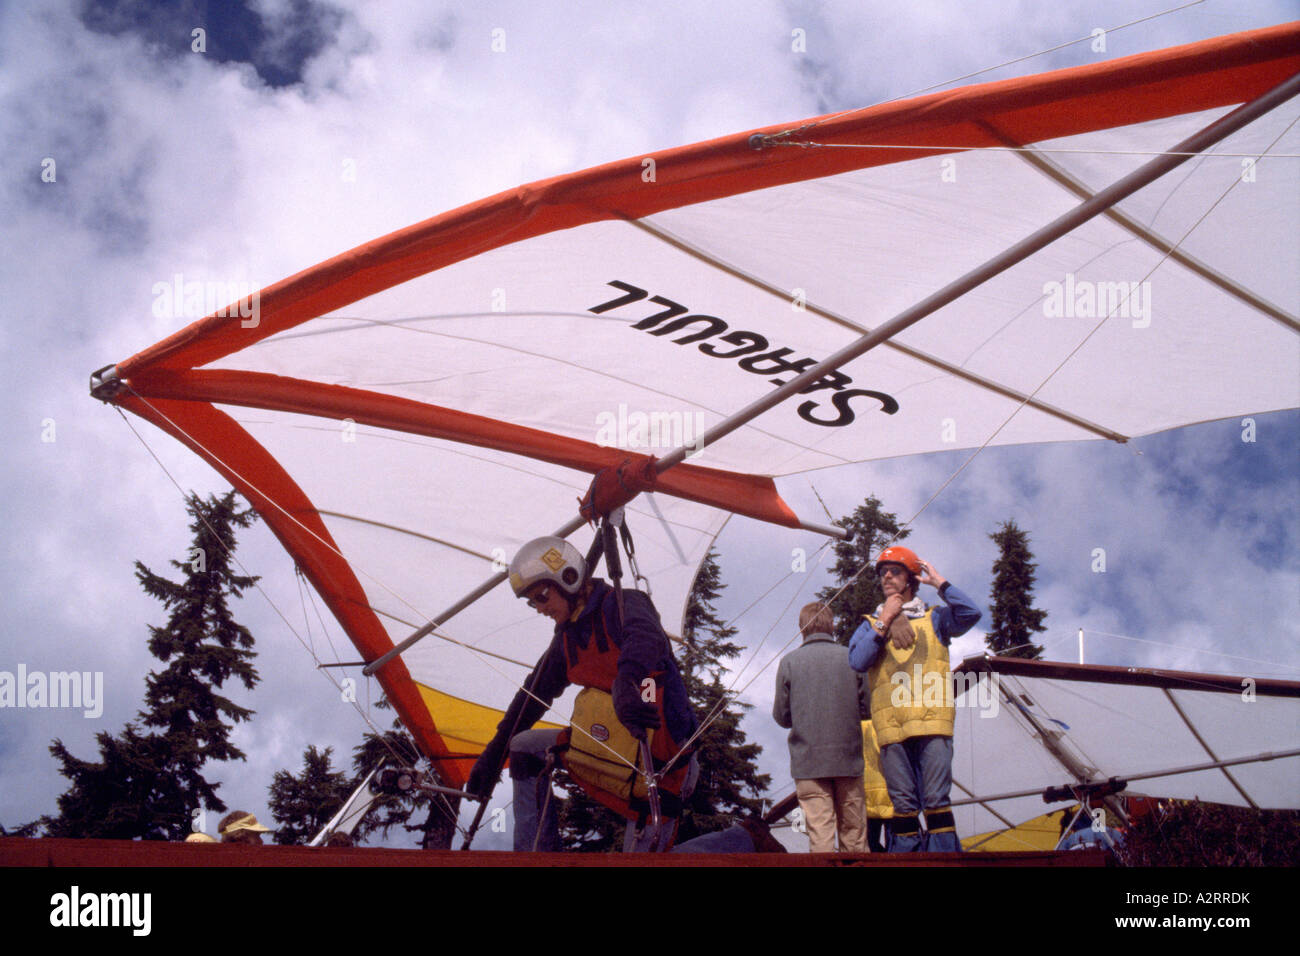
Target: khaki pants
x=831 y=801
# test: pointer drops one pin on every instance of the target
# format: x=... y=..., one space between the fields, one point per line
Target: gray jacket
x=823 y=701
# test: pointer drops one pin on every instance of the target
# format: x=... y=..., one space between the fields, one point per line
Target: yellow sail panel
x=465 y=727
x=1040 y=833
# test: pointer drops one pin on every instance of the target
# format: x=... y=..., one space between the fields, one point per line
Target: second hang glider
x=484 y=361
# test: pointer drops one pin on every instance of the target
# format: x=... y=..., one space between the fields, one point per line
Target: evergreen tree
x=1015 y=619
x=25 y=830
x=1189 y=833
x=303 y=804
x=148 y=781
x=126 y=795
x=729 y=782
x=873 y=530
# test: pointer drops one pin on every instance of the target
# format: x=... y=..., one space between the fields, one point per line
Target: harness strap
x=936 y=820
x=613 y=565
x=630 y=547
x=904 y=826
x=593 y=556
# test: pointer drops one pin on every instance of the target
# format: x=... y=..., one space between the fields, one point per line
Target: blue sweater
x=643 y=649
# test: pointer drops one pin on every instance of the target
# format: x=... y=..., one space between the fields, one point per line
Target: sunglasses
x=539 y=597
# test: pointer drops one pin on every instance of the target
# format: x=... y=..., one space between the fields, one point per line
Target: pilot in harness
x=624 y=744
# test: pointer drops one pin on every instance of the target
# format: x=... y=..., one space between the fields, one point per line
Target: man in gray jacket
x=823 y=700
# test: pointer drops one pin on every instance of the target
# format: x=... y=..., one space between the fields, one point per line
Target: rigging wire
x=1145 y=640
x=1033 y=149
x=1019 y=59
x=482 y=655
x=380 y=735
x=216 y=458
x=716 y=712
x=1116 y=308
x=1096 y=328
x=820 y=554
x=306 y=620
x=307 y=590
x=615 y=755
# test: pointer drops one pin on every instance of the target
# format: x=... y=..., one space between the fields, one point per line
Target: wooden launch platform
x=50 y=852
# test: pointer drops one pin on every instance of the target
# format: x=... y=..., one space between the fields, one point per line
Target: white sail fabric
x=1104 y=730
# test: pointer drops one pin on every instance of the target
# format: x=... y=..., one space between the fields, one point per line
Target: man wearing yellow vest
x=903 y=648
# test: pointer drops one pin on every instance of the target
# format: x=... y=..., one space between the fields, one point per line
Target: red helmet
x=903 y=556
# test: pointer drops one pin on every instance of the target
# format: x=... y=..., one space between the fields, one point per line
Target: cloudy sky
x=227 y=162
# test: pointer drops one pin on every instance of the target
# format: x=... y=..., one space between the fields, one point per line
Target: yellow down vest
x=911 y=690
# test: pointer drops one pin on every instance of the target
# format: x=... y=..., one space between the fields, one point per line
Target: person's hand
x=894 y=625
x=487 y=771
x=930 y=576
x=901 y=634
x=892 y=607
x=635 y=714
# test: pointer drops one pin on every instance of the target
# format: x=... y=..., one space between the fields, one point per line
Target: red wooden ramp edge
x=15 y=851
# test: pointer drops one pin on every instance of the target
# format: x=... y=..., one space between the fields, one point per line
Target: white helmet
x=547 y=559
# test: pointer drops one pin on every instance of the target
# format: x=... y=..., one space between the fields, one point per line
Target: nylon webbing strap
x=939 y=820
x=630 y=548
x=613 y=564
x=904 y=826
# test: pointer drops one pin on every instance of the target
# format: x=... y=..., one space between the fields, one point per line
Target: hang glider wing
x=1041 y=834
x=1027 y=726
x=408 y=413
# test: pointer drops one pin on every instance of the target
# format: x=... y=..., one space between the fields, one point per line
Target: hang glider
x=349 y=816
x=1026 y=727
x=408 y=413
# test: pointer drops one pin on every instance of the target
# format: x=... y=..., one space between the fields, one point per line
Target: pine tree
x=302 y=804
x=873 y=531
x=729 y=782
x=126 y=795
x=202 y=646
x=1189 y=833
x=149 y=783
x=1015 y=619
